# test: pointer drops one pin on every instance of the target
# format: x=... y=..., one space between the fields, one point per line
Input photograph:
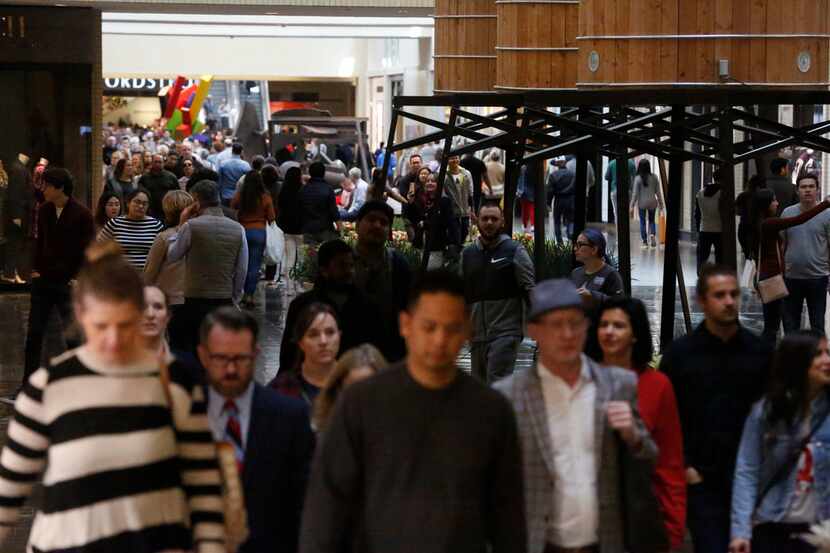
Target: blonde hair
x=107 y=275
x=173 y=203
x=365 y=355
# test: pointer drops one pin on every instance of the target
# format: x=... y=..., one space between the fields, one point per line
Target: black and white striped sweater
x=119 y=474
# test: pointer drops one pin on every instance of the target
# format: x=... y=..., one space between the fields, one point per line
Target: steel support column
x=512 y=157
x=379 y=185
x=623 y=223
x=435 y=220
x=580 y=191
x=672 y=252
x=536 y=171
x=727 y=195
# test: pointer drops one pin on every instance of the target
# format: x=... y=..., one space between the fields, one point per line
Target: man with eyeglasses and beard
x=271 y=434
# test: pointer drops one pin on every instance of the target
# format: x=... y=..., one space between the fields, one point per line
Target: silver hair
x=355 y=172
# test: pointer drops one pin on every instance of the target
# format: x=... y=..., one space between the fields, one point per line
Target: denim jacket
x=763 y=450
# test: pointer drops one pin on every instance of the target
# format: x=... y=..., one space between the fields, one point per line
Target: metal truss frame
x=620 y=124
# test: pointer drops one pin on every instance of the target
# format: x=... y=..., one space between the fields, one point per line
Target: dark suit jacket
x=277 y=458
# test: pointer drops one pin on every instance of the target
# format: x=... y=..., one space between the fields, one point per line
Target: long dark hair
x=292 y=183
x=643 y=347
x=101 y=209
x=304 y=321
x=787 y=395
x=759 y=203
x=250 y=197
x=271 y=181
x=119 y=168
x=644 y=171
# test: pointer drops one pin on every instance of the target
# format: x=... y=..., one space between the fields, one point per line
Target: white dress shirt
x=218 y=417
x=570 y=417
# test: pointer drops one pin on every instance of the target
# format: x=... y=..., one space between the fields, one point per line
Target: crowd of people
x=370 y=438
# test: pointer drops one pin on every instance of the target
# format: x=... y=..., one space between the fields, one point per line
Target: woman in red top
x=765 y=236
x=623 y=339
x=256 y=209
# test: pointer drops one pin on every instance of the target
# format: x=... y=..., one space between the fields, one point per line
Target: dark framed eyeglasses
x=578 y=244
x=240 y=361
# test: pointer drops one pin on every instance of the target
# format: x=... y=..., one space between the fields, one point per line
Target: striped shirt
x=123 y=472
x=134 y=237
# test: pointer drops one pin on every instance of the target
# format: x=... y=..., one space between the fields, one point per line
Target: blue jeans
x=256 y=247
x=652 y=225
x=814 y=292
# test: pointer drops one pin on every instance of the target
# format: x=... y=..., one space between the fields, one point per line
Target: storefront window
x=47 y=121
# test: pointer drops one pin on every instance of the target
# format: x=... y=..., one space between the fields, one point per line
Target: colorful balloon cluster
x=184 y=104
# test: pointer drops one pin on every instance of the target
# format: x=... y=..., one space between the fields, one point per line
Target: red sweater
x=658 y=407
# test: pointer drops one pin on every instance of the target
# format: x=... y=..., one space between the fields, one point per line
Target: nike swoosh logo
x=497 y=260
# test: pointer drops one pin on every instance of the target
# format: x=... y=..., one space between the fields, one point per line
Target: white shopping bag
x=274 y=244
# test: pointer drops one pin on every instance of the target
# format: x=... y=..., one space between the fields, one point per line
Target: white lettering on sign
x=142 y=84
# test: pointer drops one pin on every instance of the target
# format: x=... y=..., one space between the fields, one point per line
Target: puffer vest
x=215 y=242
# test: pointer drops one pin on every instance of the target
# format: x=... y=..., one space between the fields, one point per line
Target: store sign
x=137 y=86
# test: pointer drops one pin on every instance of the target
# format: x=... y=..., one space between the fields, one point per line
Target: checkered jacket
x=524 y=390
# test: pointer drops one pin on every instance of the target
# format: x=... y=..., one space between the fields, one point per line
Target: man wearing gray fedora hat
x=575 y=420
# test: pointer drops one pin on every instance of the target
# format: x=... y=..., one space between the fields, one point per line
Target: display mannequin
x=4 y=188
x=19 y=200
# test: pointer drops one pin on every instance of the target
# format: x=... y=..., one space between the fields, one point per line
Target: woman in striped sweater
x=135 y=231
x=125 y=470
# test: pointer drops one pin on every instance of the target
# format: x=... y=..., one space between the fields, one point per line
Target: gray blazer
x=524 y=390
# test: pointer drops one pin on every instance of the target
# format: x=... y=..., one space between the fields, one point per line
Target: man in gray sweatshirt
x=807 y=259
x=498 y=277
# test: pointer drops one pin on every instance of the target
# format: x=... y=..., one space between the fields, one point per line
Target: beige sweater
x=158 y=271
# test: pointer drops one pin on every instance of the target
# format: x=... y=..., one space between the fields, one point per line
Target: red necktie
x=233 y=431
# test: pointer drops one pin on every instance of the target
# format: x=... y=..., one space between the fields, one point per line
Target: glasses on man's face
x=568 y=325
x=225 y=361
x=579 y=244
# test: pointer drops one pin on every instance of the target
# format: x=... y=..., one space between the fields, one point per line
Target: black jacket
x=288 y=211
x=61 y=242
x=448 y=231
x=278 y=454
x=318 y=207
x=716 y=384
